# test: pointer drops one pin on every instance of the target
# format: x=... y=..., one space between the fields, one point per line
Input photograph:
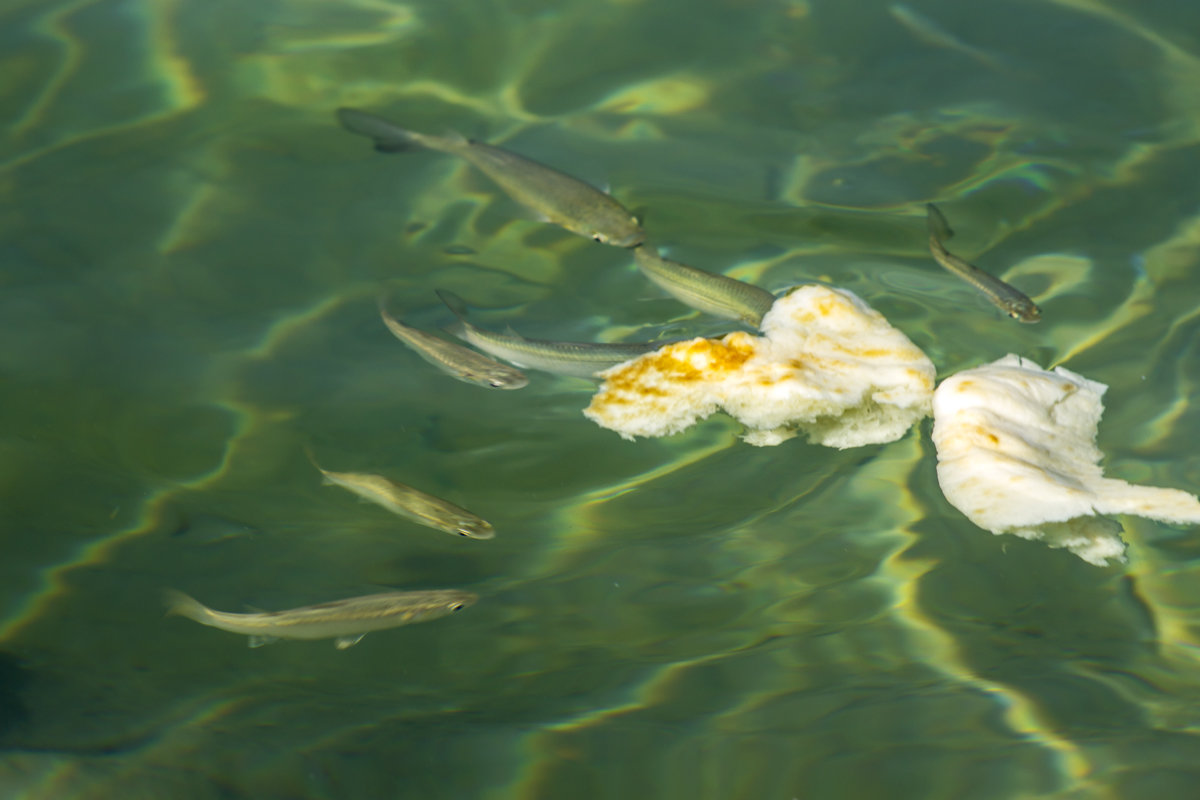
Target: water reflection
x=191 y=255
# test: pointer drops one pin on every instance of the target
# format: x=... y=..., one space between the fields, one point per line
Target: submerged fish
x=555 y=196
x=344 y=621
x=1005 y=297
x=580 y=359
x=454 y=359
x=933 y=34
x=432 y=512
x=709 y=292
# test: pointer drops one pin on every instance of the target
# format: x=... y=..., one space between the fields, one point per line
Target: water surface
x=191 y=255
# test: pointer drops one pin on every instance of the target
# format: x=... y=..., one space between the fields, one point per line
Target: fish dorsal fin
x=342 y=642
x=255 y=609
x=259 y=641
x=508 y=330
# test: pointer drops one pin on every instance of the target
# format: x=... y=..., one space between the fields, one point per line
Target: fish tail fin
x=312 y=459
x=939 y=228
x=453 y=302
x=460 y=328
x=388 y=137
x=382 y=302
x=180 y=604
x=457 y=329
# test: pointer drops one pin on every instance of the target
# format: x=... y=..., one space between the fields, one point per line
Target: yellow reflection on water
x=673 y=94
x=578 y=532
x=166 y=66
x=938 y=648
x=247 y=422
x=310 y=69
x=1181 y=69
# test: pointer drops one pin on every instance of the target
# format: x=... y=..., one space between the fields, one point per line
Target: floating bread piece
x=829 y=365
x=1017 y=454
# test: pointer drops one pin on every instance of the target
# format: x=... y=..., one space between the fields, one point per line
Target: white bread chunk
x=1016 y=448
x=828 y=365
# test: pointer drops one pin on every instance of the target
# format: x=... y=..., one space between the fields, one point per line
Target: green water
x=190 y=255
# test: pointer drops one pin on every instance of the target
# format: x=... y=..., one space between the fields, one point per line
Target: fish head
x=1024 y=311
x=505 y=379
x=474 y=528
x=615 y=227
x=627 y=235
x=459 y=600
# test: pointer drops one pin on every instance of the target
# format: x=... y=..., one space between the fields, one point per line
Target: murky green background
x=190 y=253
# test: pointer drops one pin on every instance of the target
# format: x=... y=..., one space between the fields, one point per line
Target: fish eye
x=599 y=237
x=457 y=607
x=463 y=531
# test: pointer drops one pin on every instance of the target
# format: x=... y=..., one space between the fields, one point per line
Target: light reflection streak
x=182 y=91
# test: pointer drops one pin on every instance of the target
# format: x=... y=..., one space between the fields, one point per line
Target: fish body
x=933 y=34
x=705 y=291
x=345 y=621
x=453 y=359
x=579 y=359
x=1011 y=301
x=421 y=507
x=555 y=196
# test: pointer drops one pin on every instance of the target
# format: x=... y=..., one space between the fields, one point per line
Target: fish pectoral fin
x=259 y=641
x=342 y=642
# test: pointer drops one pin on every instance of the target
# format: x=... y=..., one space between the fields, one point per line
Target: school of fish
x=582 y=209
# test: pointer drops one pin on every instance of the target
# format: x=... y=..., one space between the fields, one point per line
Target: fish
x=345 y=621
x=453 y=359
x=554 y=196
x=933 y=34
x=578 y=359
x=709 y=292
x=1008 y=299
x=420 y=507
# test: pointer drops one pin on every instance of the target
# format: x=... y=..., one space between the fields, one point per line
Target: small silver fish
x=555 y=196
x=709 y=292
x=1009 y=300
x=580 y=359
x=344 y=621
x=453 y=359
x=421 y=507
